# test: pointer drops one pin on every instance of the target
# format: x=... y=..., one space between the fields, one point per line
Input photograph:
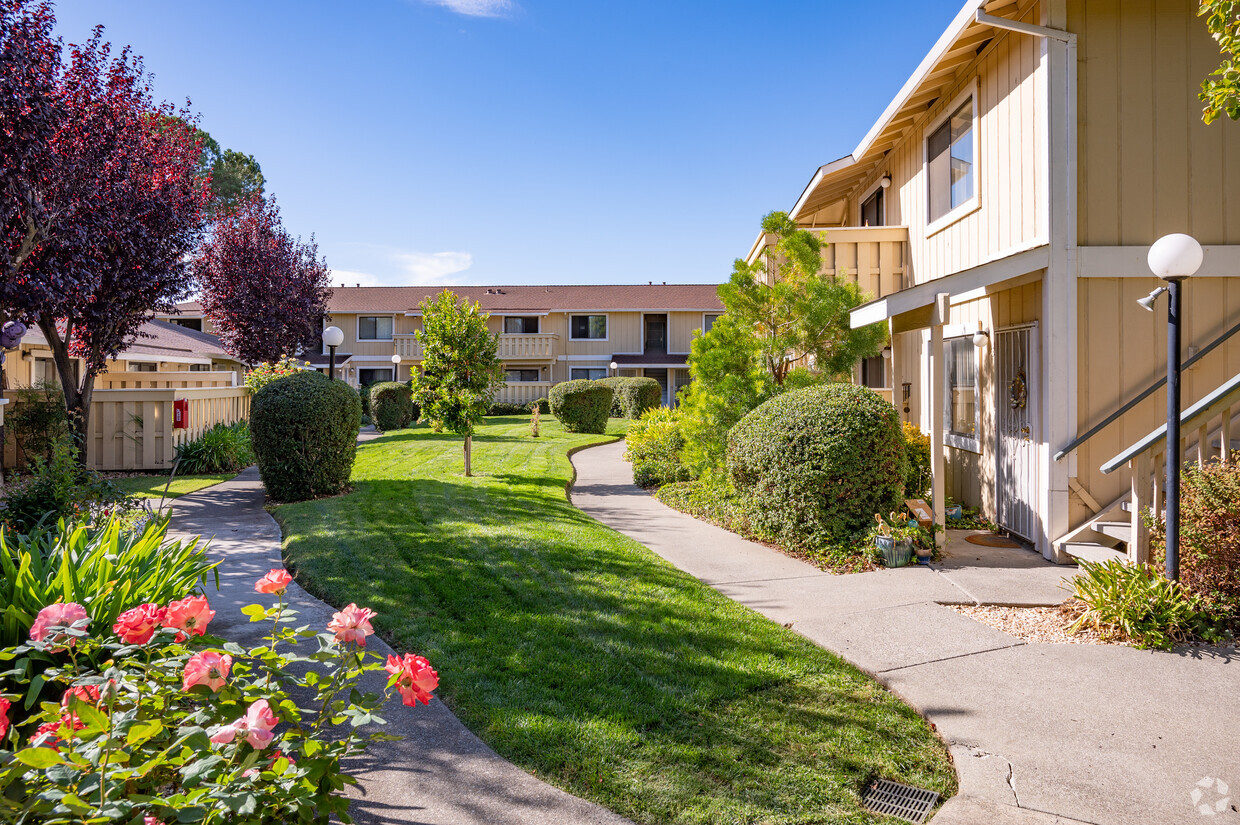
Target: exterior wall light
x=885 y=180
x=981 y=338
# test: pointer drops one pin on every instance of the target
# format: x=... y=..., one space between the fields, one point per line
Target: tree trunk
x=77 y=398
x=468 y=445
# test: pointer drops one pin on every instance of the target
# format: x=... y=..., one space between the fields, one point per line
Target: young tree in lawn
x=101 y=217
x=265 y=291
x=461 y=369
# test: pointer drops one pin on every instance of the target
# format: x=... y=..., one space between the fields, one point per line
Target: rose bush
x=178 y=725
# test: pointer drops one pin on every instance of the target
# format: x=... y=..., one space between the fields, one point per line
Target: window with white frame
x=199 y=367
x=960 y=373
x=587 y=373
x=374 y=327
x=142 y=366
x=588 y=328
x=522 y=375
x=708 y=322
x=368 y=376
x=520 y=325
x=950 y=167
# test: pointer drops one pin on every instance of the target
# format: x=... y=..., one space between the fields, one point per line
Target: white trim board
x=1130 y=262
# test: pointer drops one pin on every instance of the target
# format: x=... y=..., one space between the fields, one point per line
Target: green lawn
x=152 y=486
x=586 y=659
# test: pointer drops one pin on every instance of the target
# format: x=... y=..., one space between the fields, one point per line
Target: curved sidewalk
x=438 y=773
x=1041 y=733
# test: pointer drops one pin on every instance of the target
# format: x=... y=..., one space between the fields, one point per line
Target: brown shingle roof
x=550 y=298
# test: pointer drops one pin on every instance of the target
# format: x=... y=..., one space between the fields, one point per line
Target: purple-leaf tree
x=265 y=291
x=101 y=220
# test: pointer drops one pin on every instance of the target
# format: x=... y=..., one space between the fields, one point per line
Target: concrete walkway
x=1040 y=733
x=438 y=773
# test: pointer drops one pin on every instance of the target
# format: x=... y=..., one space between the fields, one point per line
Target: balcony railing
x=874 y=257
x=512 y=347
x=523 y=392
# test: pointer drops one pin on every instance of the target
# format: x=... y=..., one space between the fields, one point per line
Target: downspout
x=1060 y=289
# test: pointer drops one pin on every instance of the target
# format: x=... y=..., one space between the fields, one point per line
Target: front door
x=656 y=334
x=1016 y=431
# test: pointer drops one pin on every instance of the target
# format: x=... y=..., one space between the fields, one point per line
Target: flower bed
x=179 y=725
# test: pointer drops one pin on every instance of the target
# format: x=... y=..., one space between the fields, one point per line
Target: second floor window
x=374 y=328
x=520 y=326
x=142 y=366
x=588 y=327
x=522 y=376
x=708 y=322
x=949 y=162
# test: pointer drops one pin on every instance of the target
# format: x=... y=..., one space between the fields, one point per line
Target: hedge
x=391 y=405
x=653 y=444
x=613 y=383
x=581 y=406
x=637 y=395
x=304 y=432
x=818 y=463
x=543 y=405
x=508 y=408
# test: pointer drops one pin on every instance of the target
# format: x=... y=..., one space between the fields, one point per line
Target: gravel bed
x=1048 y=625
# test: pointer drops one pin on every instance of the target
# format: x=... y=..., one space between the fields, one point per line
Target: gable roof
x=524 y=298
x=169 y=342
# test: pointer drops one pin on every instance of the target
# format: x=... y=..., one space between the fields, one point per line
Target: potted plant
x=894 y=539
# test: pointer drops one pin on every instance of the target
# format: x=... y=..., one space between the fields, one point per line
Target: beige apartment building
x=547 y=334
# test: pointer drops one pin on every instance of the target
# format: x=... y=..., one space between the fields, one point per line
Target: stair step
x=1119 y=530
x=1090 y=551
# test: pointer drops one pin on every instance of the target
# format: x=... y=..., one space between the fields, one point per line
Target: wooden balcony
x=512 y=347
x=874 y=257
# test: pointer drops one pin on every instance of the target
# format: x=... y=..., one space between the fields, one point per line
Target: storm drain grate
x=904 y=801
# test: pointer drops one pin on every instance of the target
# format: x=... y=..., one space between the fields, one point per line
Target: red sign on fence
x=180 y=413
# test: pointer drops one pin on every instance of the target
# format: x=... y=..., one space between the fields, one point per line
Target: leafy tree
x=100 y=200
x=793 y=311
x=461 y=369
x=1220 y=91
x=235 y=176
x=265 y=291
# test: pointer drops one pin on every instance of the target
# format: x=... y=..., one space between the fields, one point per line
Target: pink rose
x=190 y=615
x=256 y=726
x=274 y=582
x=57 y=615
x=206 y=668
x=4 y=717
x=47 y=735
x=150 y=820
x=352 y=625
x=415 y=678
x=86 y=693
x=137 y=625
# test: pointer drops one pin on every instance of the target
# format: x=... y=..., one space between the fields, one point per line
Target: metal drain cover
x=903 y=801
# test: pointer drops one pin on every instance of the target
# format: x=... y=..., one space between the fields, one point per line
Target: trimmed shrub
x=541 y=404
x=224 y=448
x=304 y=432
x=391 y=405
x=818 y=463
x=613 y=383
x=917 y=451
x=581 y=406
x=653 y=443
x=637 y=395
x=1209 y=536
x=507 y=408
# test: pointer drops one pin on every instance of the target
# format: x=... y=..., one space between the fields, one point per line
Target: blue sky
x=528 y=141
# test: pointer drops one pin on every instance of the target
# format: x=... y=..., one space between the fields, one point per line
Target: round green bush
x=581 y=406
x=636 y=395
x=613 y=383
x=816 y=464
x=543 y=405
x=303 y=429
x=391 y=405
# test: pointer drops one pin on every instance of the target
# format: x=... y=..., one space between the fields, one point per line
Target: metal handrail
x=1221 y=398
x=1153 y=388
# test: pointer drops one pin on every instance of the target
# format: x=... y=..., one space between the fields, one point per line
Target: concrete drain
x=903 y=801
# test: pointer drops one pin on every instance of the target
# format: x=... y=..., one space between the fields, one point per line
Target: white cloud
x=475 y=8
x=433 y=267
x=385 y=266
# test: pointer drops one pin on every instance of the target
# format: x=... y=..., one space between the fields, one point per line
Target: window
x=962 y=408
x=367 y=377
x=522 y=375
x=141 y=366
x=374 y=328
x=873 y=372
x=199 y=367
x=587 y=373
x=708 y=322
x=949 y=162
x=588 y=327
x=520 y=326
x=189 y=323
x=872 y=212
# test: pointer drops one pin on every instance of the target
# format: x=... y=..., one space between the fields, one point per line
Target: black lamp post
x=1173 y=258
x=333 y=337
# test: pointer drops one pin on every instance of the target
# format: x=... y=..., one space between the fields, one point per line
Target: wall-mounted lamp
x=886 y=353
x=1147 y=303
x=885 y=180
x=981 y=338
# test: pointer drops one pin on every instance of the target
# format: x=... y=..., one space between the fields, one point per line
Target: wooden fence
x=164 y=380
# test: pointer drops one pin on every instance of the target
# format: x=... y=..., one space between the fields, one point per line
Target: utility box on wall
x=180 y=413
